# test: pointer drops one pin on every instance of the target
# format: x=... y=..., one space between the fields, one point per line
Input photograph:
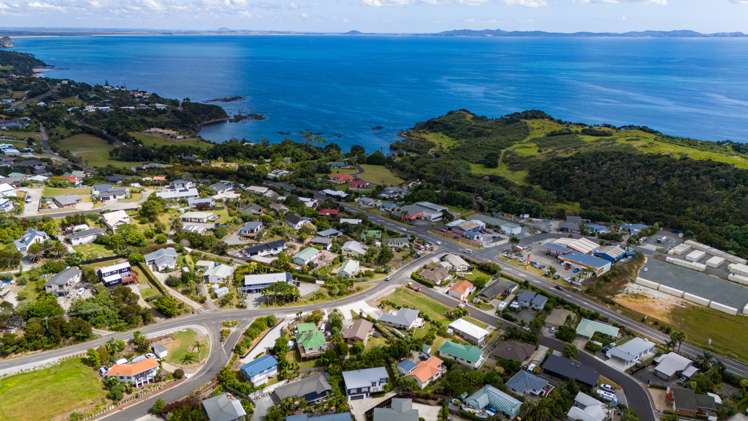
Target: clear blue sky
x=381 y=15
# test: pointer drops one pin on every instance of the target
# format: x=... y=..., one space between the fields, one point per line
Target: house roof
x=499 y=287
x=588 y=328
x=455 y=260
x=435 y=274
x=86 y=233
x=525 y=296
x=164 y=255
x=513 y=350
x=221 y=271
x=308 y=253
x=251 y=225
x=316 y=383
x=258 y=248
x=354 y=247
x=469 y=353
x=259 y=365
x=671 y=363
x=223 y=407
x=587 y=408
x=359 y=329
x=132 y=369
x=632 y=349
x=427 y=370
x=558 y=317
x=539 y=300
x=62 y=278
x=406 y=366
x=524 y=382
x=113 y=218
x=570 y=369
x=399 y=410
x=489 y=396
x=363 y=378
x=462 y=325
x=66 y=200
x=403 y=317
x=266 y=278
x=330 y=232
x=461 y=287
x=312 y=340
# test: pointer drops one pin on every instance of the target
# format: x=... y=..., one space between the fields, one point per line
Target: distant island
x=486 y=33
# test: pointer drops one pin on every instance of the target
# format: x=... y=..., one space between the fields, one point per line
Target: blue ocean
x=366 y=89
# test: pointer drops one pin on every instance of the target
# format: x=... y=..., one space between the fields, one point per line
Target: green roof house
x=310 y=342
x=587 y=328
x=468 y=355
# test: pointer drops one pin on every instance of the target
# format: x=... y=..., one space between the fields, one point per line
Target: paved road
x=491 y=254
x=114 y=206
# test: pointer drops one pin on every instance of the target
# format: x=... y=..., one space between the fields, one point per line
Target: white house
x=136 y=373
x=61 y=284
x=6 y=190
x=354 y=248
x=631 y=351
x=6 y=205
x=29 y=238
x=199 y=217
x=457 y=263
x=115 y=219
x=468 y=331
x=219 y=274
x=360 y=384
x=350 y=268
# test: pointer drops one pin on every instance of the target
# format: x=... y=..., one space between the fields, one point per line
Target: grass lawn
x=441 y=140
x=375 y=342
x=58 y=191
x=407 y=298
x=150 y=139
x=378 y=174
x=293 y=355
x=92 y=251
x=519 y=177
x=94 y=151
x=148 y=292
x=183 y=342
x=729 y=334
x=20 y=134
x=50 y=392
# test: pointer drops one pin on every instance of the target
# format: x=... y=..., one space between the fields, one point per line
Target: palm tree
x=189 y=357
x=676 y=339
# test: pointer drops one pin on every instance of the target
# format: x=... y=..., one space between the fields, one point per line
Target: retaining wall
x=696 y=299
x=690 y=265
x=723 y=308
x=648 y=284
x=671 y=291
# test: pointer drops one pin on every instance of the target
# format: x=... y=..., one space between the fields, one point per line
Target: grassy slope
x=699 y=324
x=184 y=341
x=407 y=298
x=149 y=139
x=378 y=174
x=94 y=151
x=43 y=394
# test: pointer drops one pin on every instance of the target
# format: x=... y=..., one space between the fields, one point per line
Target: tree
x=139 y=341
x=281 y=292
x=376 y=158
x=570 y=351
x=676 y=339
x=178 y=373
x=92 y=358
x=167 y=305
x=158 y=407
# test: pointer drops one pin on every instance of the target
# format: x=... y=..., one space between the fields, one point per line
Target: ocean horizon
x=366 y=90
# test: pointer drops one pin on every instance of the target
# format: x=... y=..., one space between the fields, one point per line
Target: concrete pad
x=427 y=412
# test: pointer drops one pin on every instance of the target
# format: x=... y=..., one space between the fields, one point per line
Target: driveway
x=32 y=208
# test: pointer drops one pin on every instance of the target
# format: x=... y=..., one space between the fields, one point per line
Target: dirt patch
x=659 y=398
x=648 y=302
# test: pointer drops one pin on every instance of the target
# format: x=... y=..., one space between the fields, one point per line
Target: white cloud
x=527 y=3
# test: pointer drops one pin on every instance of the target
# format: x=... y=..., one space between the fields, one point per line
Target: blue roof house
x=260 y=370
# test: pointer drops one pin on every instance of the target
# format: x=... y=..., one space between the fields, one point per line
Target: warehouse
x=594 y=264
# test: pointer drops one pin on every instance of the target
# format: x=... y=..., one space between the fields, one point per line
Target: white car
x=81 y=291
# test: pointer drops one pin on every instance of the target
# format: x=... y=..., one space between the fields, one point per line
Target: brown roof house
x=437 y=275
x=359 y=330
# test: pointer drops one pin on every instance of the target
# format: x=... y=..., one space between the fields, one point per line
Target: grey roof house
x=313 y=389
x=399 y=410
x=224 y=407
x=404 y=318
x=526 y=383
x=61 y=283
x=163 y=259
x=360 y=384
x=29 y=238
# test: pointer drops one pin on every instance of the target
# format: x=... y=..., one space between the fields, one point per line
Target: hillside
x=20 y=63
x=531 y=163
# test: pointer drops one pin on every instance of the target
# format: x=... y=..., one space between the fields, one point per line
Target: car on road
x=468 y=251
x=28 y=198
x=558 y=287
x=387 y=279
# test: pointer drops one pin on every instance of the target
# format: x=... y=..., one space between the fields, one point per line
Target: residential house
x=468 y=331
x=403 y=318
x=259 y=371
x=567 y=369
x=310 y=341
x=62 y=283
x=587 y=408
x=334 y=193
x=461 y=290
x=489 y=399
x=271 y=248
x=351 y=221
x=631 y=352
x=6 y=190
x=224 y=407
x=322 y=242
x=256 y=283
x=251 y=229
x=251 y=209
x=428 y=371
x=314 y=388
x=159 y=351
x=295 y=221
x=400 y=410
x=360 y=384
x=114 y=219
x=672 y=365
x=136 y=373
x=219 y=274
x=406 y=367
x=29 y=238
x=397 y=243
x=201 y=203
x=106 y=192
x=66 y=201
x=359 y=330
x=329 y=233
x=368 y=202
x=171 y=193
x=687 y=403
x=538 y=302
x=309 y=202
x=341 y=178
x=162 y=260
x=587 y=329
x=354 y=248
x=436 y=274
x=457 y=263
x=349 y=269
x=119 y=273
x=6 y=205
x=524 y=298
x=558 y=317
x=222 y=187
x=525 y=383
x=329 y=212
x=181 y=184
x=468 y=355
x=513 y=351
x=306 y=256
x=498 y=288
x=196 y=217
x=392 y=193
